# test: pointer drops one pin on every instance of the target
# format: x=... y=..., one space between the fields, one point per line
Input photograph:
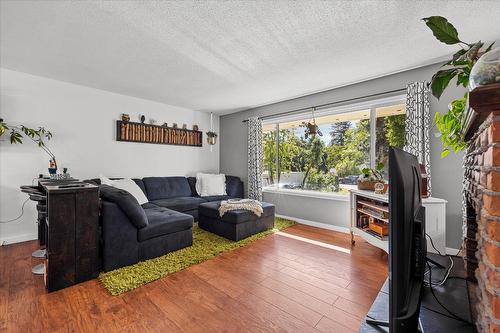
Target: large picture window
x=330 y=162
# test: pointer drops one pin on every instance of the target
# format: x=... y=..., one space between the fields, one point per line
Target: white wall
x=83 y=123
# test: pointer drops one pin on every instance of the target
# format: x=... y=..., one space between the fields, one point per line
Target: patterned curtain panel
x=255 y=158
x=418 y=120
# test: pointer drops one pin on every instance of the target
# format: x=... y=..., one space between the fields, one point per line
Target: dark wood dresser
x=72 y=233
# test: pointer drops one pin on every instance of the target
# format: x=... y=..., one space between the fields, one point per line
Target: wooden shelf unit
x=371 y=204
x=147 y=133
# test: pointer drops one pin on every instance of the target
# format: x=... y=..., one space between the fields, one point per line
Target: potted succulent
x=369 y=177
x=211 y=137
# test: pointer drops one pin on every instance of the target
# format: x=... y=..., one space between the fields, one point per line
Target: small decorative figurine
x=142 y=118
x=125 y=117
x=174 y=125
x=165 y=125
x=195 y=127
x=184 y=126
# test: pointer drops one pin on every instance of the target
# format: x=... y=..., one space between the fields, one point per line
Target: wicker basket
x=367 y=185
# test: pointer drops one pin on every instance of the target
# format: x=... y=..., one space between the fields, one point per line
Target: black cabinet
x=71 y=234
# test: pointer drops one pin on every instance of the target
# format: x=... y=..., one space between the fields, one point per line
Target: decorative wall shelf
x=146 y=133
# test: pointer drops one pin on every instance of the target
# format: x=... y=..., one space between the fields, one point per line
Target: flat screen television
x=407 y=243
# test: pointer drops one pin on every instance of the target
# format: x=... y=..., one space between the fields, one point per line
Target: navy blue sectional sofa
x=131 y=234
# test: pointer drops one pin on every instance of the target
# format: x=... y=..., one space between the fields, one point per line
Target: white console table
x=435 y=218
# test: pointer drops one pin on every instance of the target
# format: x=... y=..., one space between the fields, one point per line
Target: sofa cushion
x=216 y=197
x=127 y=203
x=181 y=204
x=234 y=187
x=140 y=183
x=211 y=209
x=163 y=221
x=192 y=185
x=166 y=187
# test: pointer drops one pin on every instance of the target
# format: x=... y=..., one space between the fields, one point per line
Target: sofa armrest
x=119 y=238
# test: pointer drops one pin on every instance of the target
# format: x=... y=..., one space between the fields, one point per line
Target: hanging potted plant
x=211 y=138
x=312 y=129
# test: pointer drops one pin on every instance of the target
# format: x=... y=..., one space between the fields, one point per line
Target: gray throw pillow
x=127 y=203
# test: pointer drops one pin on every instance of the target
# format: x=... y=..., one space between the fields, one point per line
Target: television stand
x=433 y=318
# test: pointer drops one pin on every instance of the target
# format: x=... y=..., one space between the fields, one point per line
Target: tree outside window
x=332 y=162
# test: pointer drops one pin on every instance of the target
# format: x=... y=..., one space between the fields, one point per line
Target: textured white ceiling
x=225 y=56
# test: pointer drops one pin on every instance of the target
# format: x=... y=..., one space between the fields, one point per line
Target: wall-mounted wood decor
x=146 y=133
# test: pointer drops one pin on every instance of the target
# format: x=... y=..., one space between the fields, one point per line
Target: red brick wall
x=482 y=221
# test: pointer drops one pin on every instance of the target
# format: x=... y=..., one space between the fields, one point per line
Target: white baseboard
x=451 y=251
x=316 y=224
x=17 y=239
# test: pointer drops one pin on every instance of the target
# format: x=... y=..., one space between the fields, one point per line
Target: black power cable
x=441 y=304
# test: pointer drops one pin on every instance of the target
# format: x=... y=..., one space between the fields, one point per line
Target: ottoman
x=236 y=224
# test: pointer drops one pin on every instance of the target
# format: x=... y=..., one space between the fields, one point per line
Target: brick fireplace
x=482 y=206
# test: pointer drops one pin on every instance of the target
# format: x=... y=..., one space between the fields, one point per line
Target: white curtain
x=255 y=158
x=417 y=123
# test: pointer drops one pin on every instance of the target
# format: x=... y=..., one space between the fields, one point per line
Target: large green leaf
x=440 y=81
x=443 y=30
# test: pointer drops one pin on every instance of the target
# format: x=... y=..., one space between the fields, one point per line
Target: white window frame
x=371 y=105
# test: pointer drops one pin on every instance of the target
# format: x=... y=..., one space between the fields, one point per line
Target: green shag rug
x=205 y=246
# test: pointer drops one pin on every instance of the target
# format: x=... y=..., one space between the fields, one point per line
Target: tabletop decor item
x=381 y=187
x=369 y=177
x=195 y=127
x=125 y=117
x=142 y=118
x=184 y=126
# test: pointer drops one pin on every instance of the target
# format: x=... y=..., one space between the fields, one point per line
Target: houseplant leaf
x=440 y=81
x=443 y=30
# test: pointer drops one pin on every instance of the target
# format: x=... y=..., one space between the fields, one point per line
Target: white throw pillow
x=128 y=185
x=210 y=184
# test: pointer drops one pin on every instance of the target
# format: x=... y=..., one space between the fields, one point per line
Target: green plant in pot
x=211 y=137
x=369 y=177
x=38 y=136
x=459 y=66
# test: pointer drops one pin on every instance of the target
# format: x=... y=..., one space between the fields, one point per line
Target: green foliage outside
x=346 y=153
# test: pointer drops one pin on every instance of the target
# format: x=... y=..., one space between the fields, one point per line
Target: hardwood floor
x=277 y=283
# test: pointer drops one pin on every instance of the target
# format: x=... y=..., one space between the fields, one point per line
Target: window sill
x=308 y=194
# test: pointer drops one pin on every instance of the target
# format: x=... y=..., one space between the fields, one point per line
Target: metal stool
x=36 y=195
